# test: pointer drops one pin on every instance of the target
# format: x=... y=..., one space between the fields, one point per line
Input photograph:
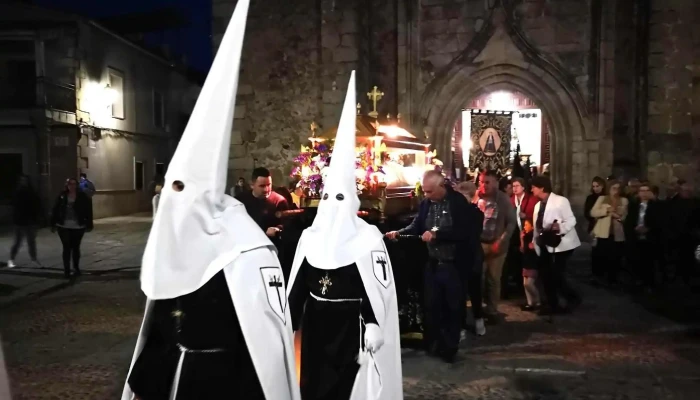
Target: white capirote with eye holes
x=337 y=234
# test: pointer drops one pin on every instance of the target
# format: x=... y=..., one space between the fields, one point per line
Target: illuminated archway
x=563 y=110
x=530 y=130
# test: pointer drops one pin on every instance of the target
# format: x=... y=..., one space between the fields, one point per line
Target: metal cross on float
x=374 y=96
x=276 y=283
x=325 y=282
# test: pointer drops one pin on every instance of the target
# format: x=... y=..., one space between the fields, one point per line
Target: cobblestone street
x=74 y=340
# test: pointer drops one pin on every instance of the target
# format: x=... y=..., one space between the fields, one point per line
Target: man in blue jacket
x=449 y=226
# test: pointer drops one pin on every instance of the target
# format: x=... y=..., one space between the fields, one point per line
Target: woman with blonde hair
x=610 y=211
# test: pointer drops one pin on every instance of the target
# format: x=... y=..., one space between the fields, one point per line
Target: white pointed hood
x=196 y=231
x=338 y=236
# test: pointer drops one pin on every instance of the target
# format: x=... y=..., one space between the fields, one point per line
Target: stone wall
x=673 y=140
x=446 y=29
x=290 y=76
x=298 y=55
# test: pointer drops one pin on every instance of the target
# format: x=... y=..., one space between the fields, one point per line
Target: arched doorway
x=563 y=108
x=529 y=133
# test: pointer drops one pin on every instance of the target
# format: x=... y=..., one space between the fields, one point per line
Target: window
x=12 y=167
x=158 y=109
x=116 y=82
x=17 y=74
x=160 y=169
x=138 y=175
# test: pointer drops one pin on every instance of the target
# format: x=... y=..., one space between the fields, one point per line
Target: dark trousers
x=610 y=256
x=597 y=265
x=512 y=277
x=553 y=274
x=24 y=232
x=683 y=249
x=444 y=307
x=71 y=238
x=644 y=256
x=473 y=292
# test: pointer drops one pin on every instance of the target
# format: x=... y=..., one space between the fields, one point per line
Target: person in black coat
x=71 y=217
x=25 y=211
x=447 y=224
x=643 y=234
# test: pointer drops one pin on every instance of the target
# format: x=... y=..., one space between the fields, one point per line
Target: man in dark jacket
x=25 y=214
x=643 y=234
x=445 y=222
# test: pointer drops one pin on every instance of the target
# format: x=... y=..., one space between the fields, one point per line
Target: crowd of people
x=634 y=228
x=70 y=217
x=507 y=237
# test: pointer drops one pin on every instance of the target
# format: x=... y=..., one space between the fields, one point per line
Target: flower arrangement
x=310 y=163
x=308 y=167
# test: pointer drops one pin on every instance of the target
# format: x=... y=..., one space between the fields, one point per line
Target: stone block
x=239 y=111
x=345 y=55
x=330 y=40
x=236 y=138
x=349 y=40
x=348 y=26
x=238 y=151
x=439 y=61
x=241 y=163
x=244 y=89
x=653 y=108
x=432 y=13
x=658 y=123
x=249 y=136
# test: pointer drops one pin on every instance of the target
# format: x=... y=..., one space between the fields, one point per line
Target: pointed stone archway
x=507 y=63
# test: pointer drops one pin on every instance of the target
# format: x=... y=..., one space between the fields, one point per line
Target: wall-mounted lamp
x=109 y=95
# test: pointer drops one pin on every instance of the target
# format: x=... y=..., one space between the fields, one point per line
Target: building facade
x=77 y=98
x=617 y=81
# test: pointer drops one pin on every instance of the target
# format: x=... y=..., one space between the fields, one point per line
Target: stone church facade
x=618 y=81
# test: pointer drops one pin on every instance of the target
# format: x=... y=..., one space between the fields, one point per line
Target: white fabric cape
x=4 y=382
x=264 y=318
x=379 y=377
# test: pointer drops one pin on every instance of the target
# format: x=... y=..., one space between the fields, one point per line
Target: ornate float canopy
x=390 y=159
x=385 y=130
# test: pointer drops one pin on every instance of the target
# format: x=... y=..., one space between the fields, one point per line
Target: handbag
x=550 y=238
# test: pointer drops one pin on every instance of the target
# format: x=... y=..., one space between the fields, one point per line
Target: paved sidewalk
x=112 y=250
x=74 y=340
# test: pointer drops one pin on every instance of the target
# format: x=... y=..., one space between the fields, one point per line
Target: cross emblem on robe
x=382 y=261
x=276 y=283
x=325 y=283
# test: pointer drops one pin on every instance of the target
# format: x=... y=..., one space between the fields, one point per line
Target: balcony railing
x=39 y=92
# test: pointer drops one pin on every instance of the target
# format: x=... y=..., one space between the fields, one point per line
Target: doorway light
x=501 y=101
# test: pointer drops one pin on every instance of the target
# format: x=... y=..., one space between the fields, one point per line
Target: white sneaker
x=462 y=335
x=11 y=264
x=480 y=328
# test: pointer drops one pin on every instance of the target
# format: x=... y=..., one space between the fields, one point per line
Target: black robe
x=331 y=330
x=203 y=320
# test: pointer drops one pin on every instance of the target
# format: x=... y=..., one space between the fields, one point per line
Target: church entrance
x=497 y=128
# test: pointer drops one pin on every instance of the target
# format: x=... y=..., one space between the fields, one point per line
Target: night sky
x=192 y=40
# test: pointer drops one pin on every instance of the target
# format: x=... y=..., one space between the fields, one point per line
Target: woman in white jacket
x=555 y=241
